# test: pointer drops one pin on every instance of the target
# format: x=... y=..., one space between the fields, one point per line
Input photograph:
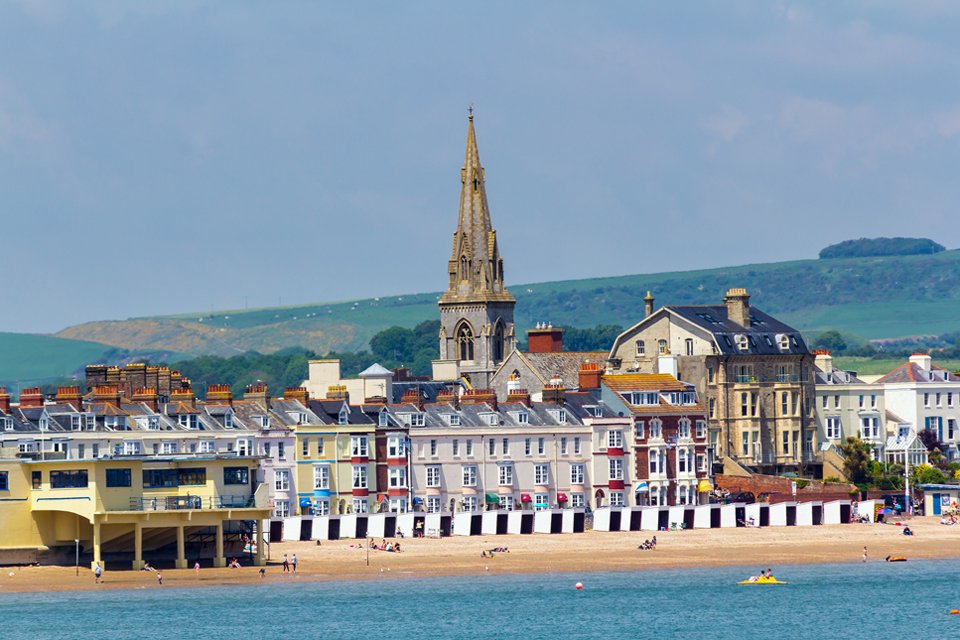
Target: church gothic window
x=498 y=342
x=464 y=337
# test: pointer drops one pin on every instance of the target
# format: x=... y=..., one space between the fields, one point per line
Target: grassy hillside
x=31 y=359
x=875 y=297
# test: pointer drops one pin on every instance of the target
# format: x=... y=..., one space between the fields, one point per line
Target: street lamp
x=76 y=543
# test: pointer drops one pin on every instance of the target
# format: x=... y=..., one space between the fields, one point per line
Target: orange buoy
x=954 y=612
x=579 y=586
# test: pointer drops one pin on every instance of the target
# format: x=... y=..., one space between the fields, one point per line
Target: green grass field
x=871 y=367
x=31 y=359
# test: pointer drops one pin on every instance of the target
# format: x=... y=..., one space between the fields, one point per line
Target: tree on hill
x=881 y=247
x=832 y=341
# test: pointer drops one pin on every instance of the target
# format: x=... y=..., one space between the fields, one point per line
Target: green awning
x=491 y=498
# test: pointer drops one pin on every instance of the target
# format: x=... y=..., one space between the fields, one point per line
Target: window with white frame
x=131 y=447
x=576 y=500
x=505 y=475
x=527 y=449
x=383 y=419
x=281 y=480
x=228 y=420
x=433 y=448
x=491 y=419
x=683 y=428
x=563 y=446
x=689 y=346
x=263 y=421
x=397 y=477
x=208 y=446
x=541 y=474
x=359 y=476
x=455 y=446
x=661 y=347
x=656 y=429
x=654 y=461
x=616 y=499
x=638 y=430
x=169 y=447
x=541 y=501
x=306 y=447
x=453 y=419
x=359 y=505
x=432 y=504
x=244 y=447
x=321 y=476
x=469 y=448
x=396 y=446
x=281 y=508
x=75 y=424
x=117 y=423
x=358 y=446
x=869 y=428
x=701 y=462
x=616 y=469
x=834 y=428
x=266 y=449
x=641 y=348
x=615 y=439
x=505 y=446
x=577 y=472
x=701 y=429
x=321 y=507
x=492 y=445
x=506 y=503
x=417 y=420
x=469 y=475
x=470 y=503
x=682 y=461
x=541 y=446
x=523 y=417
x=433 y=476
x=343 y=417
x=576 y=445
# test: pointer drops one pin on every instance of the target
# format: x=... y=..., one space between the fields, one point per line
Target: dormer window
x=453 y=419
x=491 y=419
x=228 y=420
x=523 y=417
x=153 y=423
x=560 y=415
x=783 y=341
x=189 y=421
x=743 y=342
x=343 y=417
x=116 y=423
x=7 y=423
x=263 y=421
x=75 y=423
x=44 y=423
x=383 y=419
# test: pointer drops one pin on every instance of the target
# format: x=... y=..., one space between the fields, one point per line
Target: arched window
x=464 y=337
x=498 y=342
x=463 y=268
x=662 y=346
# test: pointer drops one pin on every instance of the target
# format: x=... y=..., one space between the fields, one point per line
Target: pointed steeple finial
x=475 y=268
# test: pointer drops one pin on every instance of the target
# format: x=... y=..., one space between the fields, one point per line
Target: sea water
x=905 y=600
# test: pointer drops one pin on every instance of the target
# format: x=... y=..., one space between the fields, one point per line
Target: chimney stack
x=648 y=304
x=414 y=397
x=738 y=306
x=449 y=396
x=4 y=400
x=590 y=375
x=70 y=396
x=338 y=392
x=219 y=394
x=480 y=396
x=147 y=396
x=184 y=395
x=554 y=393
x=823 y=360
x=922 y=360
x=258 y=393
x=107 y=394
x=519 y=396
x=545 y=338
x=299 y=394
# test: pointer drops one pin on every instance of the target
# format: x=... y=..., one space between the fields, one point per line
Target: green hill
x=873 y=297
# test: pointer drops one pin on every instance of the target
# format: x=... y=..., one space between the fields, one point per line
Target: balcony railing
x=745 y=379
x=185 y=503
x=788 y=377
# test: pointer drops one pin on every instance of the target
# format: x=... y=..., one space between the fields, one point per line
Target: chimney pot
x=738 y=306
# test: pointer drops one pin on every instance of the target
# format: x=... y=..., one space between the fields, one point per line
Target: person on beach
x=293 y=561
x=263 y=572
x=97 y=573
x=286 y=564
x=396 y=548
x=863 y=558
x=196 y=567
x=159 y=578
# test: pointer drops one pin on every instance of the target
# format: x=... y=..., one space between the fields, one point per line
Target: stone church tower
x=476 y=311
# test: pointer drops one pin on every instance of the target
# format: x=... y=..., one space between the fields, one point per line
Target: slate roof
x=911 y=372
x=565 y=364
x=762 y=333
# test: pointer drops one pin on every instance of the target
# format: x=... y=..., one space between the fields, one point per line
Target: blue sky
x=181 y=156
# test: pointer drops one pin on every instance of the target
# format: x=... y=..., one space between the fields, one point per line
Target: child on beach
x=97 y=573
x=159 y=578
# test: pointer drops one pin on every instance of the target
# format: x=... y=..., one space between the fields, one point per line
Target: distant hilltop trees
x=865 y=247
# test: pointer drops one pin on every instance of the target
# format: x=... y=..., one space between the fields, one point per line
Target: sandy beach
x=592 y=551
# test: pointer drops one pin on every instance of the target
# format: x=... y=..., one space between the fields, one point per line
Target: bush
x=881 y=247
x=832 y=480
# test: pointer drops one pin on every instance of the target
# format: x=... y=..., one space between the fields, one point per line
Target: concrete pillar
x=219 y=560
x=137 y=546
x=96 y=545
x=258 y=540
x=181 y=561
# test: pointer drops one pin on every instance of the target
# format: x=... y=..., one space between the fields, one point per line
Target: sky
x=158 y=158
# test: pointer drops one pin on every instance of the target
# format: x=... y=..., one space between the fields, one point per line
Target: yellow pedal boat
x=763 y=581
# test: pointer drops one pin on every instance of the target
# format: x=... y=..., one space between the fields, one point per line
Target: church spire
x=475 y=268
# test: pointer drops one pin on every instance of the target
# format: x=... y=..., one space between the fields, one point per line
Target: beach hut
x=321 y=528
x=681 y=515
x=650 y=518
x=635 y=520
x=937 y=498
x=703 y=516
x=467 y=523
x=543 y=521
x=728 y=515
x=836 y=512
x=572 y=521
x=376 y=526
x=404 y=524
x=809 y=513
x=759 y=512
x=275 y=532
x=601 y=519
x=520 y=522
x=778 y=514
x=626 y=519
x=494 y=523
x=867 y=509
x=291 y=529
x=306 y=528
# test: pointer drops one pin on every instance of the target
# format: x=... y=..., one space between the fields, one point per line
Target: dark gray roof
x=428 y=389
x=763 y=334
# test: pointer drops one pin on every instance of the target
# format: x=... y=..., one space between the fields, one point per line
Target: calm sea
x=905 y=600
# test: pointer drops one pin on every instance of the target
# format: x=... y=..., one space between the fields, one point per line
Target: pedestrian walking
x=286 y=564
x=863 y=558
x=196 y=567
x=294 y=562
x=97 y=573
x=159 y=578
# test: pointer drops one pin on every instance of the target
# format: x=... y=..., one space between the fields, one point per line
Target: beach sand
x=591 y=551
